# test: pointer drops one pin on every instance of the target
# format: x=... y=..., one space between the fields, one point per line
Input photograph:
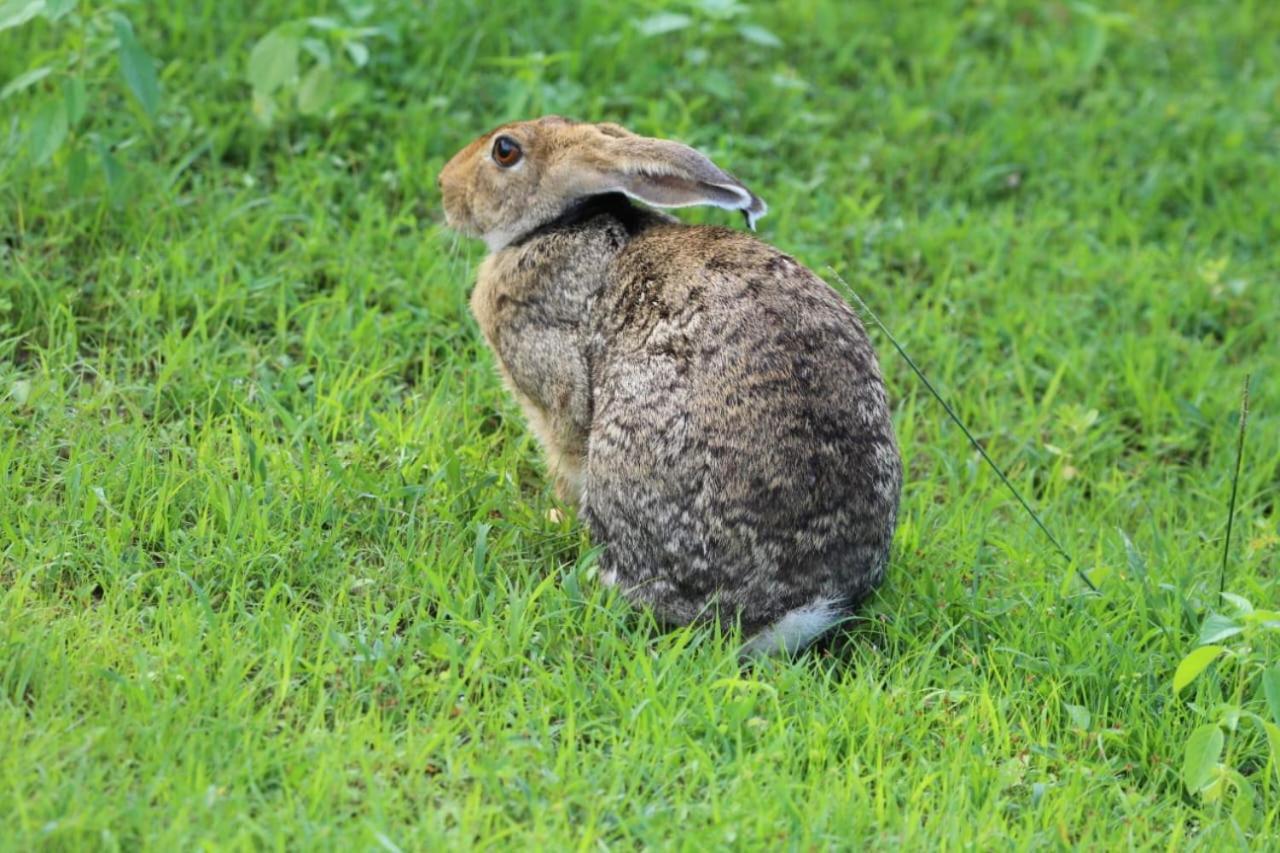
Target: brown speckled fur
x=712 y=407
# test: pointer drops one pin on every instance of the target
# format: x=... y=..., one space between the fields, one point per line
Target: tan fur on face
x=564 y=162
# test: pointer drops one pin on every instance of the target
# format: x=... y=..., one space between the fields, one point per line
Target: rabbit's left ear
x=667 y=174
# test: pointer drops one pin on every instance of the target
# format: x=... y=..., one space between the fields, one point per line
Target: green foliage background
x=275 y=561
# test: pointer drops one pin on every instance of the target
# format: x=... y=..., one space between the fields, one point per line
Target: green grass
x=275 y=563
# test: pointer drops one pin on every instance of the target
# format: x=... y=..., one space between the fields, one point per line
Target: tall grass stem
x=1235 y=482
x=956 y=418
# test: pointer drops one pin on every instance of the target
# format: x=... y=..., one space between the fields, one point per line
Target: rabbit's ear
x=667 y=174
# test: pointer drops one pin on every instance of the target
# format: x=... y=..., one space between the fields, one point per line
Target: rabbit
x=712 y=408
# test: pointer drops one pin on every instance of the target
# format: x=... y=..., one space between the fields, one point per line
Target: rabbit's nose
x=439 y=183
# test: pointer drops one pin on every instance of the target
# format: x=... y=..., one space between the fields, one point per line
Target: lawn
x=276 y=563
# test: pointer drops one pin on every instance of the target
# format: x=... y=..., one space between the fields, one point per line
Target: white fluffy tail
x=796 y=629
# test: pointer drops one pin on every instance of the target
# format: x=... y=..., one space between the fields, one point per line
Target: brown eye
x=506 y=153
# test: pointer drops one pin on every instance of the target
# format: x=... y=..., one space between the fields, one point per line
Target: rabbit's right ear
x=663 y=174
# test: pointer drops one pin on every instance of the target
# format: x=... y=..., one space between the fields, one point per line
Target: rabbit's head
x=525 y=174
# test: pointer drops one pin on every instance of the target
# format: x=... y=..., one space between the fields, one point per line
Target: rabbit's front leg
x=546 y=370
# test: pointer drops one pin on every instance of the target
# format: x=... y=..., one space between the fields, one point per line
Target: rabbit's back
x=741 y=456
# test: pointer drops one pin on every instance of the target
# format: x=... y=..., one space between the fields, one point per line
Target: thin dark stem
x=1235 y=481
x=956 y=418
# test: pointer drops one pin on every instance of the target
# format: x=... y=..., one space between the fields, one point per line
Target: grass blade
x=1235 y=482
x=956 y=418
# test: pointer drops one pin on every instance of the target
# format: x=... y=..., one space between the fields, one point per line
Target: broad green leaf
x=57 y=9
x=48 y=131
x=1271 y=688
x=722 y=9
x=1273 y=740
x=1265 y=618
x=1095 y=46
x=1242 y=808
x=315 y=92
x=1201 y=757
x=1218 y=627
x=138 y=68
x=114 y=174
x=77 y=171
x=318 y=50
x=273 y=62
x=1194 y=664
x=663 y=23
x=15 y=13
x=74 y=95
x=1240 y=603
x=264 y=108
x=358 y=52
x=1079 y=714
x=24 y=81
x=759 y=35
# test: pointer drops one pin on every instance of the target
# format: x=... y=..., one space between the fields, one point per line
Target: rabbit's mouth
x=457 y=215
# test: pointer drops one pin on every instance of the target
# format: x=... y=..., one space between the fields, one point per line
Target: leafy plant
x=711 y=20
x=96 y=45
x=306 y=65
x=1212 y=757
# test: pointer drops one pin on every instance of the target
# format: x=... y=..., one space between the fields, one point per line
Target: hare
x=713 y=409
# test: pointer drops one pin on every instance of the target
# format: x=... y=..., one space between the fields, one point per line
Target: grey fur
x=713 y=407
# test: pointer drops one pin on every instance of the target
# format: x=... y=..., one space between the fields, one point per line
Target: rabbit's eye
x=506 y=153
